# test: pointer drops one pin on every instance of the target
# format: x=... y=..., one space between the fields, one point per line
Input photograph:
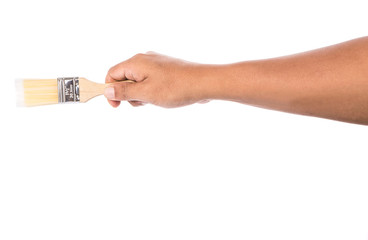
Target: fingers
x=124 y=91
x=114 y=104
x=109 y=79
x=135 y=103
x=126 y=70
x=131 y=69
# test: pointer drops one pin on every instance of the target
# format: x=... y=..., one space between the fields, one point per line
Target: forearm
x=330 y=82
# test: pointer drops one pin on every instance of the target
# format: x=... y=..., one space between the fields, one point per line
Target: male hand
x=158 y=79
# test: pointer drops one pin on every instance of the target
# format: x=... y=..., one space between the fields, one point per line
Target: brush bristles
x=35 y=92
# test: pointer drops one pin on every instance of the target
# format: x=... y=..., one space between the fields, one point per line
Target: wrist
x=213 y=82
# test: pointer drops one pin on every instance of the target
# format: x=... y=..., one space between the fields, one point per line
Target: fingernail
x=109 y=93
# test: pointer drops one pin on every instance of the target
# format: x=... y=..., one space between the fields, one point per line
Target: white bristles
x=34 y=92
x=19 y=92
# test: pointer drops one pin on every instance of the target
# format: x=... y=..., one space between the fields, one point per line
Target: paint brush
x=36 y=92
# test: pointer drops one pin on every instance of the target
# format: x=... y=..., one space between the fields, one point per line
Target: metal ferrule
x=68 y=89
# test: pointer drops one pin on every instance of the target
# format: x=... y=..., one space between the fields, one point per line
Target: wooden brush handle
x=89 y=89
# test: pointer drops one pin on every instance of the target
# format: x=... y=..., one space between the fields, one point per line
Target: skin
x=330 y=82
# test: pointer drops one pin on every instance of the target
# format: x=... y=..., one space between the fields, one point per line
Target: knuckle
x=110 y=73
x=151 y=53
x=139 y=55
x=112 y=69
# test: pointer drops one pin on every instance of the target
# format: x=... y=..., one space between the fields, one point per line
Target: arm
x=330 y=82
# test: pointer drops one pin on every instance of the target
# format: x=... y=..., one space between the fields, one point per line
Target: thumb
x=122 y=91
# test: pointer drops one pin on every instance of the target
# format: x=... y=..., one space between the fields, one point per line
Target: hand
x=158 y=79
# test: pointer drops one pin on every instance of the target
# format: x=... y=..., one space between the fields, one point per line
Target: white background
x=220 y=170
